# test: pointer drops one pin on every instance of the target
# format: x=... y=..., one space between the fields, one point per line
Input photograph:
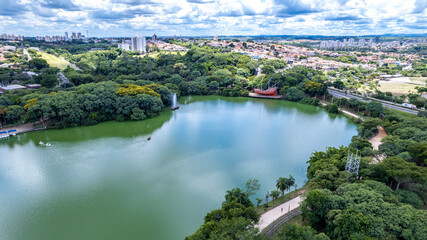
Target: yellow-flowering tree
x=133 y=90
x=30 y=102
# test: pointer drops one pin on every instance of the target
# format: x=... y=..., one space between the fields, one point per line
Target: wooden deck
x=255 y=95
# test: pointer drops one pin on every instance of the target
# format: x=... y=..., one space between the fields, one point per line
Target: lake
x=109 y=182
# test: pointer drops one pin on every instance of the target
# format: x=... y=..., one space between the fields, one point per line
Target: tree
x=79 y=79
x=403 y=171
x=14 y=113
x=313 y=88
x=282 y=184
x=49 y=80
x=338 y=84
x=267 y=69
x=350 y=223
x=38 y=63
x=252 y=186
x=315 y=207
x=369 y=127
x=239 y=196
x=333 y=108
x=375 y=109
x=298 y=232
x=233 y=221
x=290 y=182
x=274 y=194
x=3 y=111
x=419 y=152
x=294 y=94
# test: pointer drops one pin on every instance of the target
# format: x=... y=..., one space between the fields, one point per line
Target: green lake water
x=108 y=182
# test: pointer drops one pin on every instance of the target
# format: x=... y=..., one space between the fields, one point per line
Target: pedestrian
x=282 y=209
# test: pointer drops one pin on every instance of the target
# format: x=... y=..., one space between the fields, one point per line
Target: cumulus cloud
x=211 y=17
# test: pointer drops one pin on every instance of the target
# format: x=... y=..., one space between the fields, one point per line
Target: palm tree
x=274 y=194
x=290 y=182
x=281 y=184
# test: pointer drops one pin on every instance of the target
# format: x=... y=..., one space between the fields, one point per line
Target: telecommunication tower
x=353 y=162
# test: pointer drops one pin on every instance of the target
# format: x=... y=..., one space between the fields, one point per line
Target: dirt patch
x=376 y=141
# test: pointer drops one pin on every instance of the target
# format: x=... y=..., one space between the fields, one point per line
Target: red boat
x=269 y=92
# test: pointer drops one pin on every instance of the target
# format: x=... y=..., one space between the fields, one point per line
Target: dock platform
x=255 y=95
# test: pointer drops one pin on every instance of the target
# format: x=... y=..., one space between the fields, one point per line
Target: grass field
x=418 y=80
x=397 y=88
x=54 y=61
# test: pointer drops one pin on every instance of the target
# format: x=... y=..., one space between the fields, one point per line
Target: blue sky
x=121 y=18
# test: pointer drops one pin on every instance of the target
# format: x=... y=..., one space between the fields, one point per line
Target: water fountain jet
x=174 y=106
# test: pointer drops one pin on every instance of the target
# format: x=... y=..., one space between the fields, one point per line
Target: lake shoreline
x=26 y=128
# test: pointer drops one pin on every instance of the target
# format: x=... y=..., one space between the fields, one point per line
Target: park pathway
x=275 y=213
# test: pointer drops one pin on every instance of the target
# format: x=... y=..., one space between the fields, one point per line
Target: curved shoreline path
x=376 y=141
x=275 y=213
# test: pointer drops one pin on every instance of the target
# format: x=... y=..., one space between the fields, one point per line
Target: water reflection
x=108 y=182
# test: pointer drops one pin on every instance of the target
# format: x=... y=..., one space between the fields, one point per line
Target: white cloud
x=210 y=17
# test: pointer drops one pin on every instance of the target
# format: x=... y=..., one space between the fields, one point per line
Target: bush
x=310 y=101
x=333 y=108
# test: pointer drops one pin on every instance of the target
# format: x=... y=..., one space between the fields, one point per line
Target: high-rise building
x=216 y=38
x=73 y=35
x=79 y=35
x=66 y=35
x=138 y=44
x=361 y=42
x=154 y=38
x=351 y=42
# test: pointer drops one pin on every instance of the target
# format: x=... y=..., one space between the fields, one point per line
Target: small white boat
x=48 y=145
x=41 y=143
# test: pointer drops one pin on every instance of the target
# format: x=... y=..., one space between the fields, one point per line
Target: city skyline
x=121 y=18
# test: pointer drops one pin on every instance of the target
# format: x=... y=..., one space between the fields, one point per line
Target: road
x=63 y=78
x=25 y=51
x=386 y=104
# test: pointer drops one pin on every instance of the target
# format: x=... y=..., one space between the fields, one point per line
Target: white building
x=124 y=46
x=138 y=44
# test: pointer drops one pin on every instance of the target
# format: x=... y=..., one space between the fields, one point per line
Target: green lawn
x=54 y=61
x=297 y=220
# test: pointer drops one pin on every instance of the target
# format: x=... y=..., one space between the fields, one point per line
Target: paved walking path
x=28 y=127
x=350 y=113
x=275 y=213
